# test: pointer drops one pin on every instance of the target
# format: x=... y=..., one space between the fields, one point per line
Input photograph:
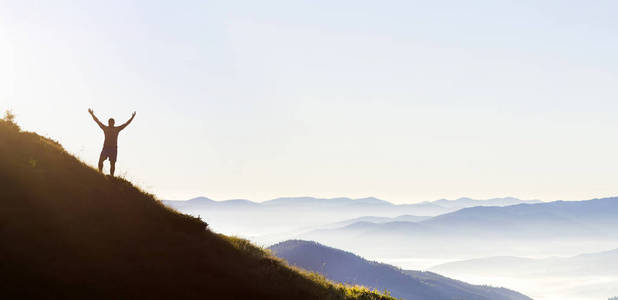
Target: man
x=110 y=146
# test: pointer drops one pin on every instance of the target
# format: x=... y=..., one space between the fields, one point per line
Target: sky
x=406 y=101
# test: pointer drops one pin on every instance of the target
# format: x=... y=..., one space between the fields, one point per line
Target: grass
x=67 y=232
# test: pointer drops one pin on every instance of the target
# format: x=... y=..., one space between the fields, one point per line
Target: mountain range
x=282 y=218
x=485 y=230
x=590 y=264
x=597 y=217
x=376 y=220
x=422 y=208
x=468 y=202
x=584 y=276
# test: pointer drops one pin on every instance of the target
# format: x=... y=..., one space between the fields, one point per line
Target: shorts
x=109 y=152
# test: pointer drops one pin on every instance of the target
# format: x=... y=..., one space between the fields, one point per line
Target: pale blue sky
x=403 y=100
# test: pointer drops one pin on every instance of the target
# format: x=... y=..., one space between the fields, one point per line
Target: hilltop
x=69 y=232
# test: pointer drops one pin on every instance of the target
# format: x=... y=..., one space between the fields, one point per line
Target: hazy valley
x=457 y=238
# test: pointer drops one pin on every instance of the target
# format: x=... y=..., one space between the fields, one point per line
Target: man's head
x=111 y=122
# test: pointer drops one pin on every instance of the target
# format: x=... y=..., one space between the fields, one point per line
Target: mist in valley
x=546 y=250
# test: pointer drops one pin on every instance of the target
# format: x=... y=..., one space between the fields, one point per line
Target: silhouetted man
x=110 y=146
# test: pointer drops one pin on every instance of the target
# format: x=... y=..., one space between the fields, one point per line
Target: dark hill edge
x=68 y=232
x=347 y=267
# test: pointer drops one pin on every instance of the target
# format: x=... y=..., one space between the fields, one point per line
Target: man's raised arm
x=127 y=122
x=95 y=118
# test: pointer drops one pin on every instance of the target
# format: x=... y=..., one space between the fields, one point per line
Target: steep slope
x=69 y=232
x=346 y=267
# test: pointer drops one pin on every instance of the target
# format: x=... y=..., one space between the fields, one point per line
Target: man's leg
x=113 y=153
x=101 y=160
x=112 y=167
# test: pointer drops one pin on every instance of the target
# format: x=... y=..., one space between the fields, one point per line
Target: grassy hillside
x=67 y=231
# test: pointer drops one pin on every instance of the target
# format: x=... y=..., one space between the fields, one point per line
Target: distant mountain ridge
x=280 y=219
x=377 y=220
x=342 y=201
x=328 y=201
x=596 y=216
x=548 y=228
x=354 y=207
x=346 y=267
x=590 y=217
x=592 y=275
x=591 y=264
x=468 y=202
